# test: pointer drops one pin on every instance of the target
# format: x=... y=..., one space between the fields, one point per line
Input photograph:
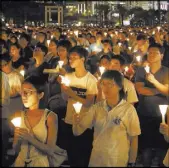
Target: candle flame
x=77 y=107
x=22 y=72
x=48 y=41
x=138 y=58
x=129 y=48
x=126 y=68
x=16 y=121
x=163 y=109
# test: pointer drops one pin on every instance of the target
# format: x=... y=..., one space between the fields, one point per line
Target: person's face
x=75 y=60
x=115 y=65
x=30 y=96
x=38 y=53
x=13 y=40
x=140 y=43
x=41 y=38
x=62 y=52
x=5 y=67
x=109 y=88
x=105 y=63
x=23 y=42
x=92 y=40
x=52 y=47
x=14 y=51
x=154 y=55
x=4 y=36
x=106 y=46
x=98 y=37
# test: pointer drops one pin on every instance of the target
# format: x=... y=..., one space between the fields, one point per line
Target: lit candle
x=60 y=63
x=16 y=121
x=102 y=69
x=48 y=41
x=22 y=72
x=51 y=36
x=7 y=24
x=116 y=32
x=26 y=27
x=111 y=35
x=76 y=32
x=158 y=28
x=120 y=44
x=105 y=34
x=127 y=39
x=77 y=106
x=153 y=32
x=34 y=36
x=131 y=33
x=147 y=69
x=129 y=48
x=163 y=109
x=138 y=58
x=126 y=68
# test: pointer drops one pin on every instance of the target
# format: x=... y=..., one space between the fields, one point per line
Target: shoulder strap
x=47 y=113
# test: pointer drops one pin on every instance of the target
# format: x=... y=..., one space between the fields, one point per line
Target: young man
x=116 y=63
x=83 y=89
x=116 y=125
x=153 y=90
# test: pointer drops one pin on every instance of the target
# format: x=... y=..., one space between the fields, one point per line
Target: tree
x=103 y=10
x=122 y=12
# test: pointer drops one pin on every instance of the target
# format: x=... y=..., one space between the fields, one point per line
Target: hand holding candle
x=77 y=106
x=138 y=58
x=163 y=110
x=22 y=72
x=65 y=80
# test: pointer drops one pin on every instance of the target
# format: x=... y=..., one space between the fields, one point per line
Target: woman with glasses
x=116 y=125
x=35 y=138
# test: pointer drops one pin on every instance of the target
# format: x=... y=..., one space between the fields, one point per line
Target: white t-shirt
x=111 y=143
x=84 y=86
x=130 y=91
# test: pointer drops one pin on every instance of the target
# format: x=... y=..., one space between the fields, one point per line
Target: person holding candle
x=31 y=143
x=117 y=63
x=15 y=80
x=116 y=125
x=153 y=90
x=83 y=89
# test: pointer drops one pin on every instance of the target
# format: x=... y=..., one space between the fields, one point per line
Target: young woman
x=116 y=125
x=37 y=135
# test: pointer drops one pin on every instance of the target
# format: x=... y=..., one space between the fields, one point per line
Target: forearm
x=99 y=96
x=45 y=148
x=162 y=88
x=146 y=91
x=133 y=149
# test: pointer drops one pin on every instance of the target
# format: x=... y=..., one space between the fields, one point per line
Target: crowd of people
x=120 y=75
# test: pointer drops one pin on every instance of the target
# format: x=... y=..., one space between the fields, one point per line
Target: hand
x=23 y=134
x=150 y=77
x=62 y=71
x=164 y=129
x=76 y=118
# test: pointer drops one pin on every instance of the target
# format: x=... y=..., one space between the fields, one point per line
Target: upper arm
x=52 y=128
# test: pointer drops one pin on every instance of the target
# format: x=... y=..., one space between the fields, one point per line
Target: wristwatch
x=131 y=165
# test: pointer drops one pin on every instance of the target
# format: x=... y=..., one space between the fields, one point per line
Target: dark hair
x=118 y=78
x=43 y=48
x=105 y=57
x=141 y=37
x=160 y=48
x=37 y=82
x=5 y=57
x=82 y=52
x=65 y=43
x=119 y=58
x=99 y=33
x=106 y=41
x=26 y=37
x=55 y=41
x=16 y=45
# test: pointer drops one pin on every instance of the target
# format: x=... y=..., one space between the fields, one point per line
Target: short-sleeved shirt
x=112 y=130
x=84 y=86
x=149 y=105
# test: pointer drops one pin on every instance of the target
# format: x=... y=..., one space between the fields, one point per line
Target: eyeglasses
x=37 y=49
x=27 y=92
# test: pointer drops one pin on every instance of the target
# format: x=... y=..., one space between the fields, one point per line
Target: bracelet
x=131 y=165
